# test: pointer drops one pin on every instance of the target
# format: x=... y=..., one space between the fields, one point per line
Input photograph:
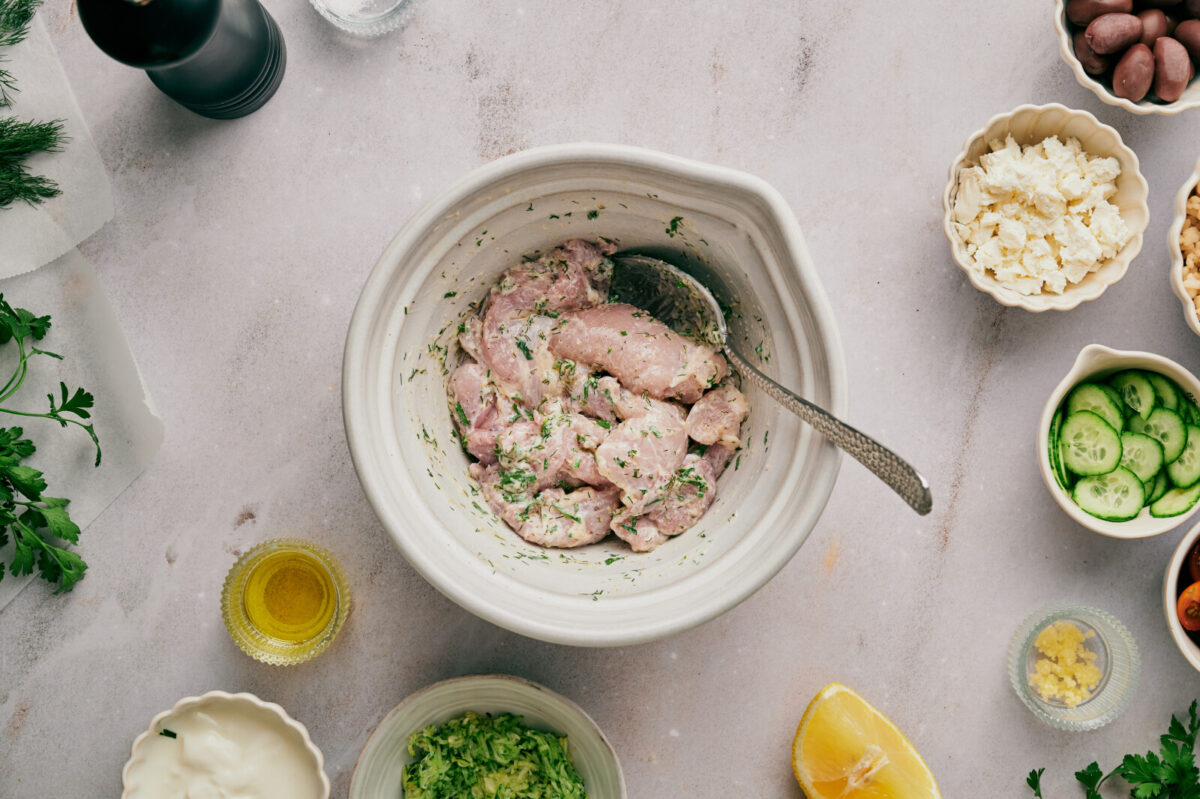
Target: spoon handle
x=887 y=465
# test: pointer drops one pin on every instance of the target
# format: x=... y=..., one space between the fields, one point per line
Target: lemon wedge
x=846 y=749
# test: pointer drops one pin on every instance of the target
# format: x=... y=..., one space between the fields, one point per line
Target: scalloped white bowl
x=1189 y=307
x=1095 y=360
x=1030 y=124
x=380 y=768
x=1189 y=99
x=295 y=728
x=738 y=235
x=1187 y=647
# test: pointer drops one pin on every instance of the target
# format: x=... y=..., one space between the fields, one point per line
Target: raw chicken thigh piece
x=641 y=352
x=717 y=416
x=524 y=308
x=571 y=519
x=640 y=533
x=475 y=402
x=640 y=455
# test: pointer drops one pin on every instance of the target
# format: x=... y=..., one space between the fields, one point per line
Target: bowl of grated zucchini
x=1119 y=443
x=460 y=709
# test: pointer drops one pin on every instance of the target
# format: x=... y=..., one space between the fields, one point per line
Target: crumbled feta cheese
x=1038 y=217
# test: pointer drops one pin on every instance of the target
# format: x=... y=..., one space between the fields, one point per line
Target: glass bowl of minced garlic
x=1075 y=667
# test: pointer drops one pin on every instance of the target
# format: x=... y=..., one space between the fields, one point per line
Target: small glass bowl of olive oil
x=284 y=601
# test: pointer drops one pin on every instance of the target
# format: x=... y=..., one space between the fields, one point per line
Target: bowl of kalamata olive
x=1140 y=55
x=1181 y=596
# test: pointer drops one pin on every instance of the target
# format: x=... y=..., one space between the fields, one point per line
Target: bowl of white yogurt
x=222 y=744
x=738 y=236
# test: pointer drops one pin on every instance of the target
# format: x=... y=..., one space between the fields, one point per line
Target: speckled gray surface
x=234 y=262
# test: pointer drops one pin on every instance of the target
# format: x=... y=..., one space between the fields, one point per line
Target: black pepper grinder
x=219 y=58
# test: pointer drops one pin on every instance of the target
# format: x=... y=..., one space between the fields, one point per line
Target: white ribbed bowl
x=1189 y=307
x=1189 y=99
x=738 y=235
x=297 y=730
x=1097 y=361
x=1030 y=124
x=379 y=773
x=1187 y=647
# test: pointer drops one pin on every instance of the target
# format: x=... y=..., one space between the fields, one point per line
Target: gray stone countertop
x=237 y=254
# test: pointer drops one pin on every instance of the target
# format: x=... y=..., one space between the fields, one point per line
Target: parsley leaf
x=1169 y=774
x=39 y=526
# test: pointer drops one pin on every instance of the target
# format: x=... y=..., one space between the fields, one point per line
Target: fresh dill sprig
x=14 y=26
x=18 y=138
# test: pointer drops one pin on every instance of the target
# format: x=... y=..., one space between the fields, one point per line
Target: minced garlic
x=1066 y=671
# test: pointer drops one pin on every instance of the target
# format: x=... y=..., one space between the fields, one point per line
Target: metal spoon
x=682 y=303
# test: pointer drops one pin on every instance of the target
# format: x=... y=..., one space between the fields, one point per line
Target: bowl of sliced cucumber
x=1119 y=443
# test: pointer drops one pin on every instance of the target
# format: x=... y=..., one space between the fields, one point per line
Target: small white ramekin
x=296 y=728
x=1190 y=98
x=1187 y=647
x=1097 y=361
x=380 y=768
x=1030 y=124
x=1189 y=307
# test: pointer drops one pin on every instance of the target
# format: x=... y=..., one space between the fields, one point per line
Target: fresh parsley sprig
x=38 y=525
x=1169 y=774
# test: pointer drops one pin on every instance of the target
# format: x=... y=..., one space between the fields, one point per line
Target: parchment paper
x=34 y=235
x=85 y=331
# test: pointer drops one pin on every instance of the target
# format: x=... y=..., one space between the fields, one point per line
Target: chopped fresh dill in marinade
x=489 y=757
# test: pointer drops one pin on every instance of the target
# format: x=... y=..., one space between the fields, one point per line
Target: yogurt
x=224 y=748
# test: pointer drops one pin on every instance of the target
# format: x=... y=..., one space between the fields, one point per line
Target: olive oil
x=284 y=601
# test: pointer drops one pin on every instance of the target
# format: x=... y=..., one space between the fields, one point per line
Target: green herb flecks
x=164 y=732
x=38 y=525
x=484 y=757
x=524 y=348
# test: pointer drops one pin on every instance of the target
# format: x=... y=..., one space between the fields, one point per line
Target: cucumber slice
x=1054 y=450
x=1141 y=455
x=1164 y=426
x=1185 y=471
x=1089 y=397
x=1160 y=486
x=1112 y=395
x=1116 y=497
x=1176 y=502
x=1164 y=390
x=1090 y=444
x=1135 y=391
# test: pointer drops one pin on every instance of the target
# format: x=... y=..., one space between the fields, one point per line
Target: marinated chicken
x=587 y=417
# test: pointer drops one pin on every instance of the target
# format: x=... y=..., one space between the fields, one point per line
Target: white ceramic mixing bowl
x=733 y=231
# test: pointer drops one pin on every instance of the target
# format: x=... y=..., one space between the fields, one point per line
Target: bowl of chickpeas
x=1183 y=241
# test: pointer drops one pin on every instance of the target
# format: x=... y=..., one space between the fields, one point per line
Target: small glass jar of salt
x=365 y=17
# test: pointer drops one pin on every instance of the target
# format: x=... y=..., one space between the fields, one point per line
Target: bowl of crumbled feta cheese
x=1183 y=241
x=1045 y=208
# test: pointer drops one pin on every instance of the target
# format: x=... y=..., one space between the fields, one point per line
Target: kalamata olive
x=1134 y=73
x=1081 y=12
x=1154 y=24
x=1093 y=63
x=1188 y=34
x=1112 y=33
x=1193 y=562
x=1192 y=7
x=1172 y=69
